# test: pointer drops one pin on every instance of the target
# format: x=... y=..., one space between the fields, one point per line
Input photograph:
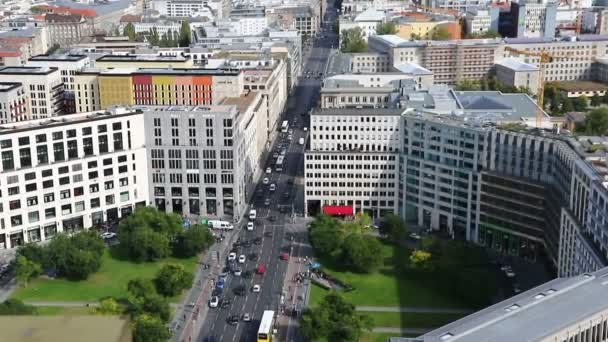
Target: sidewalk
x=192 y=312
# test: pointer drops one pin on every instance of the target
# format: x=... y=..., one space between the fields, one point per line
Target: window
x=87 y=144
x=30 y=187
x=102 y=129
x=79 y=191
x=123 y=181
x=95 y=203
x=87 y=131
x=116 y=126
x=49 y=213
x=30 y=176
x=41 y=138
x=64 y=180
x=64 y=194
x=109 y=185
x=31 y=201
x=16 y=220
x=7 y=160
x=124 y=196
x=79 y=206
x=94 y=188
x=50 y=197
x=58 y=151
x=72 y=149
x=109 y=199
x=24 y=141
x=47 y=173
x=118 y=141
x=103 y=144
x=14 y=204
x=66 y=209
x=57 y=135
x=108 y=172
x=13 y=191
x=33 y=217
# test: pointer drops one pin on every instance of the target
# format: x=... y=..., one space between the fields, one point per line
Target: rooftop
x=8 y=86
x=530 y=316
x=517 y=65
x=413 y=69
x=242 y=102
x=570 y=86
x=27 y=70
x=142 y=58
x=364 y=111
x=57 y=58
x=370 y=14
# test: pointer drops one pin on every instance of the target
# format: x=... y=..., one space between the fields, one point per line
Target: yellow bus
x=266 y=327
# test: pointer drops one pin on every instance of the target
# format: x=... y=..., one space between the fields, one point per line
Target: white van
x=301 y=141
x=252 y=214
x=216 y=224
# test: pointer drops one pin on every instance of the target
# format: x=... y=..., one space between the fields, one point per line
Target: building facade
x=14 y=102
x=66 y=30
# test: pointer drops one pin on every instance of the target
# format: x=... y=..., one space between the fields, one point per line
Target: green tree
x=76 y=257
x=352 y=40
x=185 y=34
x=469 y=85
x=440 y=33
x=580 y=103
x=147 y=328
x=555 y=103
x=12 y=307
x=596 y=122
x=596 y=101
x=145 y=235
x=386 y=28
x=393 y=227
x=108 y=306
x=361 y=253
x=140 y=287
x=171 y=279
x=192 y=241
x=34 y=252
x=605 y=98
x=420 y=260
x=567 y=105
x=26 y=270
x=486 y=34
x=129 y=31
x=334 y=319
x=37 y=10
x=326 y=236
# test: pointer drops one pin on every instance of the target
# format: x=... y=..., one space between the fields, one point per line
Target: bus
x=285 y=126
x=266 y=327
x=279 y=164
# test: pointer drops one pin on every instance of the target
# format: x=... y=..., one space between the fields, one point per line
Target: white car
x=108 y=235
x=290 y=137
x=510 y=274
x=232 y=256
x=213 y=302
x=238 y=272
x=255 y=288
x=242 y=259
x=268 y=170
x=305 y=129
x=415 y=236
x=249 y=226
x=265 y=180
x=273 y=187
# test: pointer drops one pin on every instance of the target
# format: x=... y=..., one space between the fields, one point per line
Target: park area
x=110 y=281
x=401 y=300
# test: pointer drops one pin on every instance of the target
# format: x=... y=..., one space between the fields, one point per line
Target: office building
x=70 y=174
x=565 y=309
x=301 y=18
x=205 y=160
x=368 y=21
x=248 y=21
x=479 y=21
x=67 y=65
x=143 y=61
x=43 y=86
x=421 y=26
x=516 y=73
x=534 y=19
x=14 y=102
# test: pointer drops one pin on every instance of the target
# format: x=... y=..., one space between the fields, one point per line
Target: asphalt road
x=288 y=195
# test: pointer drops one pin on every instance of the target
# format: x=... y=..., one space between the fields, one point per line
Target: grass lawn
x=61 y=311
x=110 y=281
x=411 y=320
x=389 y=285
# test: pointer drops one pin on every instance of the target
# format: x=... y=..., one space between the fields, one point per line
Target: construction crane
x=544 y=58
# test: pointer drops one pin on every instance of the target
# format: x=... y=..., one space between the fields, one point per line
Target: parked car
x=214 y=302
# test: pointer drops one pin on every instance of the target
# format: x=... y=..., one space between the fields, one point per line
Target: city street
x=279 y=224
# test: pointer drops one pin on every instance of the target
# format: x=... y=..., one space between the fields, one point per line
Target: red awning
x=338 y=210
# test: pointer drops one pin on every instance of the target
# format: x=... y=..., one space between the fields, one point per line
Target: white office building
x=44 y=88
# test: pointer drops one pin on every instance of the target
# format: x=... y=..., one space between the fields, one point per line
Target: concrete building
x=179 y=8
x=589 y=89
x=67 y=65
x=43 y=86
x=379 y=90
x=564 y=309
x=533 y=19
x=131 y=61
x=479 y=21
x=368 y=21
x=300 y=18
x=458 y=6
x=515 y=73
x=415 y=25
x=66 y=30
x=70 y=174
x=249 y=21
x=211 y=174
x=14 y=102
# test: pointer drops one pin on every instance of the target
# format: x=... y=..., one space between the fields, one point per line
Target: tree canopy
x=596 y=122
x=192 y=241
x=26 y=270
x=335 y=320
x=129 y=31
x=393 y=227
x=171 y=279
x=352 y=40
x=147 y=328
x=386 y=28
x=441 y=33
x=185 y=34
x=486 y=34
x=12 y=307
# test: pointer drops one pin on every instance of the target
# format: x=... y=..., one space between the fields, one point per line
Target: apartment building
x=187 y=87
x=417 y=25
x=459 y=6
x=301 y=18
x=66 y=30
x=249 y=21
x=571 y=303
x=205 y=160
x=68 y=174
x=479 y=21
x=368 y=21
x=367 y=62
x=67 y=65
x=43 y=86
x=380 y=90
x=14 y=102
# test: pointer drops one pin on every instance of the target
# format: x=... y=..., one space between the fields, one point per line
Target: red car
x=260 y=270
x=284 y=256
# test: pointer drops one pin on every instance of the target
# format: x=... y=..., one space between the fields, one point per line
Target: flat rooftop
x=142 y=58
x=58 y=58
x=27 y=70
x=7 y=86
x=532 y=315
x=242 y=102
x=356 y=112
x=581 y=86
x=62 y=120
